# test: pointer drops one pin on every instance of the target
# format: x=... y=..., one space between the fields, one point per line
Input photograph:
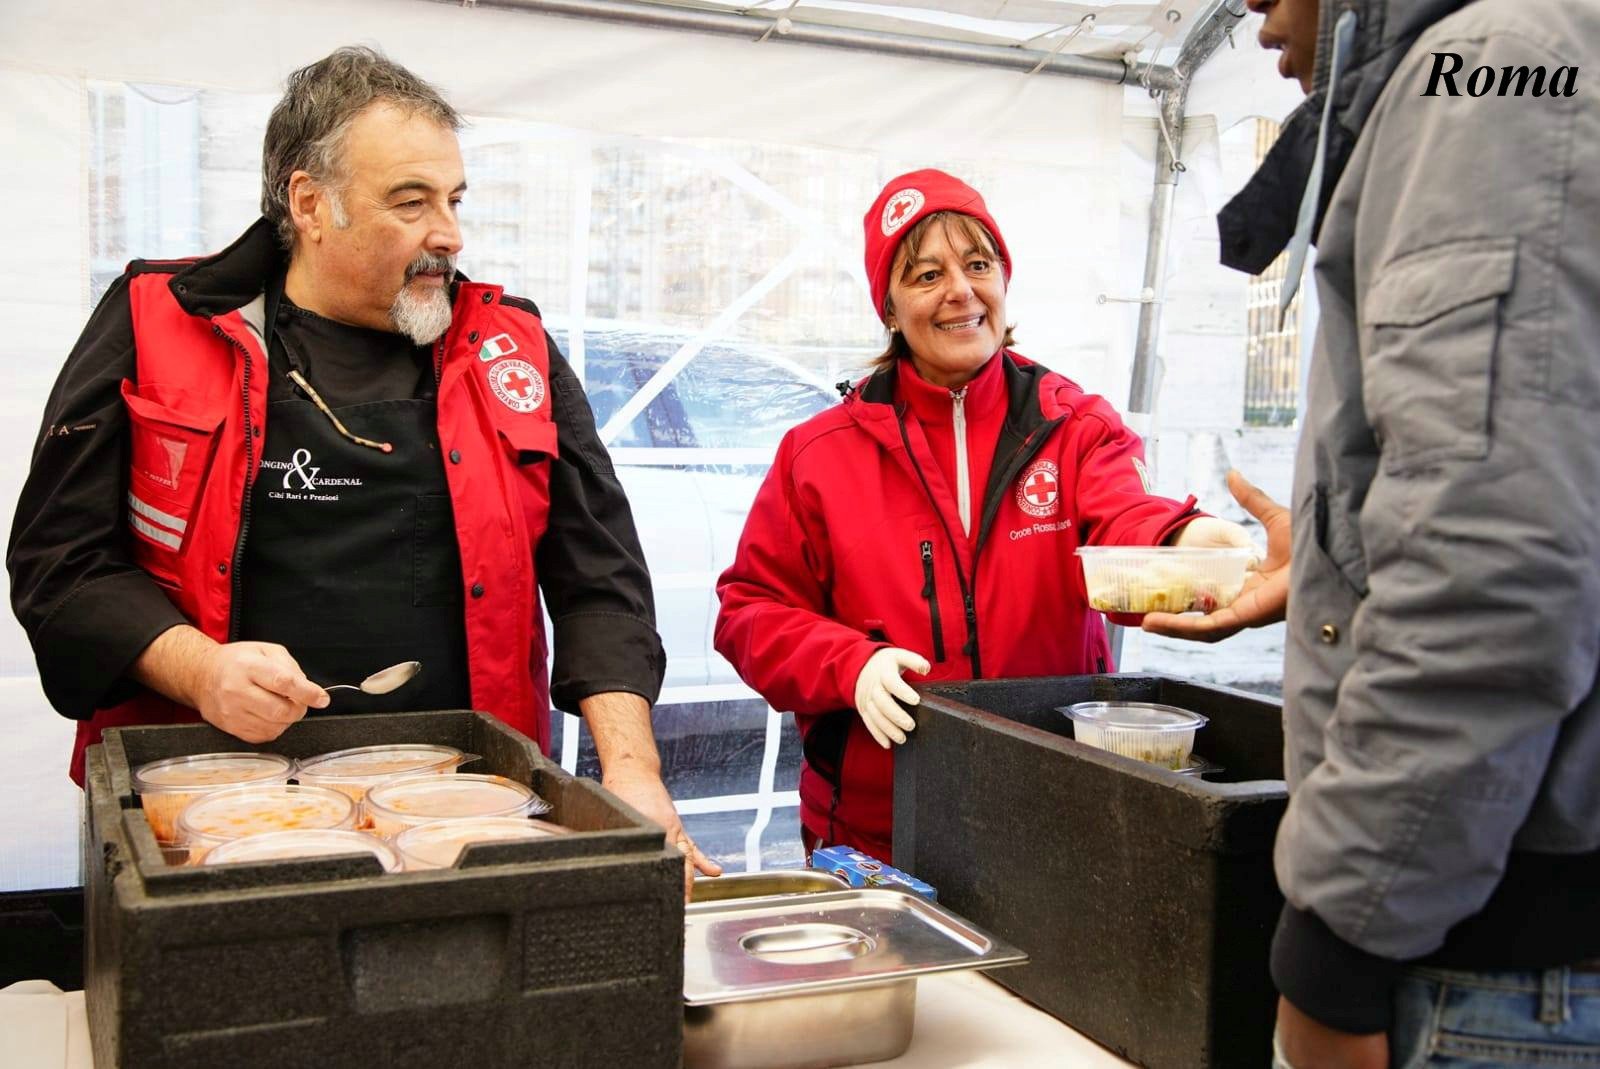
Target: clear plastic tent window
x=686 y=217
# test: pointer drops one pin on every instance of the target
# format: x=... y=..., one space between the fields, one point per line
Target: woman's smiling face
x=947 y=298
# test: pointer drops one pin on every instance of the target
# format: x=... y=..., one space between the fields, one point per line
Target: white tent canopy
x=685 y=208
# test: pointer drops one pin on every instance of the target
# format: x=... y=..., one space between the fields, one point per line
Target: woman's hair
x=970 y=233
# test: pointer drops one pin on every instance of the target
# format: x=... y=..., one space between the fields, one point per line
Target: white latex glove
x=877 y=687
x=1208 y=532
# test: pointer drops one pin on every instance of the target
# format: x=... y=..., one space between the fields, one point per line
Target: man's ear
x=306 y=206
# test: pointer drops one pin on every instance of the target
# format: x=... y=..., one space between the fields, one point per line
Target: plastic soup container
x=1156 y=734
x=303 y=843
x=411 y=800
x=166 y=787
x=357 y=770
x=1141 y=579
x=223 y=816
x=439 y=845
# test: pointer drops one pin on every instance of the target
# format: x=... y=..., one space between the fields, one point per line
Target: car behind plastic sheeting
x=738 y=400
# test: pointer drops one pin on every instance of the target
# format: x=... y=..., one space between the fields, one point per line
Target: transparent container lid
x=304 y=843
x=438 y=845
x=166 y=787
x=1142 y=579
x=371 y=763
x=209 y=771
x=415 y=799
x=252 y=810
x=1161 y=735
x=1198 y=767
x=1142 y=716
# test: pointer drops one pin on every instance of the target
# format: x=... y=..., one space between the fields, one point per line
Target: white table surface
x=964 y=1021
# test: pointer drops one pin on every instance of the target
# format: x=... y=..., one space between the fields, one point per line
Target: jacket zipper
x=958 y=401
x=971 y=648
x=931 y=592
x=249 y=485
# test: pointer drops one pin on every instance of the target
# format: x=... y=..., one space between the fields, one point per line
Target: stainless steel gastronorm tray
x=757 y=948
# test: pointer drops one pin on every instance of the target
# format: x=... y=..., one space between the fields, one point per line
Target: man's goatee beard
x=421 y=316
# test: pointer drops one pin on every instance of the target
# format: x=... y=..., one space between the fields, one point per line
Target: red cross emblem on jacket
x=1039 y=489
x=517 y=384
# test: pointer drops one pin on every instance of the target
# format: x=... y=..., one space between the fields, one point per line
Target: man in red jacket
x=928 y=523
x=324 y=440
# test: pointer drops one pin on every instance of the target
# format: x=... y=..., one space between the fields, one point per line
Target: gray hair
x=307 y=128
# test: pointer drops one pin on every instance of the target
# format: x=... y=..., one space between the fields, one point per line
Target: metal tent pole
x=1142 y=386
x=770 y=27
x=1214 y=28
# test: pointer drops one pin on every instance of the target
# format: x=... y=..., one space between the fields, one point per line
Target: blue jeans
x=1447 y=1019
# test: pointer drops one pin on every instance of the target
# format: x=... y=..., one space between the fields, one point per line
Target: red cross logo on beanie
x=1039 y=489
x=901 y=209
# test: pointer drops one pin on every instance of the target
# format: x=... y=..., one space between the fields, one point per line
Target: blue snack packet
x=864 y=870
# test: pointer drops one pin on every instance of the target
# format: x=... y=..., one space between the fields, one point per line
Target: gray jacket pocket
x=1430 y=323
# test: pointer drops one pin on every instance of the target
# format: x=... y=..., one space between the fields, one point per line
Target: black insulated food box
x=566 y=951
x=1145 y=899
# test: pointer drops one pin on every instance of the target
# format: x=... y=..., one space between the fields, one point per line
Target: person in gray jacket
x=1440 y=854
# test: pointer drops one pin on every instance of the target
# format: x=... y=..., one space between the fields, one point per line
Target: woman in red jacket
x=928 y=523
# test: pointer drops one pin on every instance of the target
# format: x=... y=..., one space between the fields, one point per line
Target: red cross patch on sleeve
x=517 y=384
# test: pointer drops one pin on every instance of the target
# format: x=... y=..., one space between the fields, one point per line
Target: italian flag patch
x=496 y=347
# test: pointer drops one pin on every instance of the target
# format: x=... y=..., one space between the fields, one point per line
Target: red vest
x=197 y=413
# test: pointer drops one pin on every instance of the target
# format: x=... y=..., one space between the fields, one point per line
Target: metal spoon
x=382 y=682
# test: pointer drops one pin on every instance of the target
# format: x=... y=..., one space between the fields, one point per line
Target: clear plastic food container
x=403 y=803
x=355 y=771
x=438 y=845
x=1141 y=579
x=225 y=815
x=1156 y=734
x=166 y=787
x=303 y=843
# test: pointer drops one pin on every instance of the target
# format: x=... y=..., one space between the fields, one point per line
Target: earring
x=893 y=329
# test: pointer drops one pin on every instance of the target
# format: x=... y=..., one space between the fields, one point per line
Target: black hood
x=1258 y=222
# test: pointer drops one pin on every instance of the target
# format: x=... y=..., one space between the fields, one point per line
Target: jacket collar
x=224 y=281
x=1021 y=379
x=1257 y=223
x=1030 y=400
x=932 y=404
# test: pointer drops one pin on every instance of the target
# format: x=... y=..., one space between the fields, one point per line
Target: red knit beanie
x=904 y=201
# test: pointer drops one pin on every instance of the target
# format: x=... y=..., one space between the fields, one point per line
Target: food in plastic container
x=355 y=771
x=1141 y=579
x=166 y=787
x=438 y=845
x=222 y=816
x=304 y=843
x=1155 y=734
x=403 y=803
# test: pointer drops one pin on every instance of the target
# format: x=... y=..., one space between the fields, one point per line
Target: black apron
x=350 y=556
